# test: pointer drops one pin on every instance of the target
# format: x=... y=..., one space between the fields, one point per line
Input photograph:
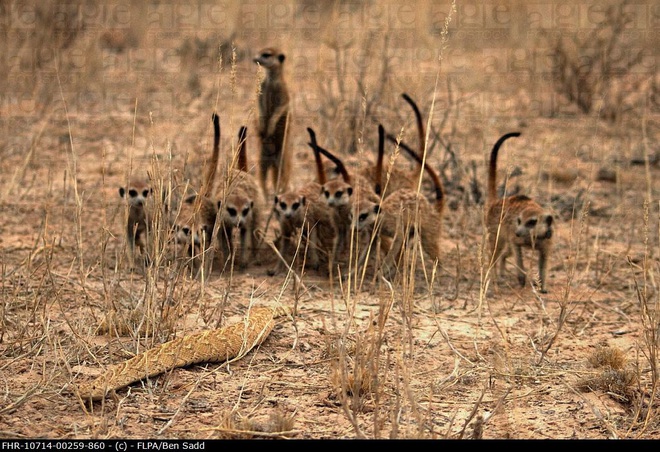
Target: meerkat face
x=136 y=193
x=289 y=205
x=269 y=58
x=190 y=226
x=237 y=211
x=336 y=193
x=533 y=227
x=364 y=215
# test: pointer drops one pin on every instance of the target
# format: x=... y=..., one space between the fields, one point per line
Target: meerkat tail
x=317 y=157
x=379 y=162
x=492 y=167
x=340 y=165
x=242 y=152
x=212 y=167
x=437 y=183
x=420 y=124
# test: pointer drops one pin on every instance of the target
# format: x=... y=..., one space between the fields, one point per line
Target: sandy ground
x=448 y=353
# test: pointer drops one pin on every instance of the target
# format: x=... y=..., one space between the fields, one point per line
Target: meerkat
x=516 y=222
x=339 y=194
x=194 y=222
x=136 y=194
x=398 y=177
x=273 y=122
x=303 y=210
x=403 y=214
x=412 y=176
x=239 y=204
x=315 y=221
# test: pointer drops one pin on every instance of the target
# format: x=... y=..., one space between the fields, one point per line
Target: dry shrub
x=600 y=70
x=613 y=376
x=611 y=357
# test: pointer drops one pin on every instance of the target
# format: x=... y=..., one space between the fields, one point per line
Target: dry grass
x=96 y=93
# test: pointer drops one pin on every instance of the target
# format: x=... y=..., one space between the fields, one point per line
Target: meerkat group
x=373 y=203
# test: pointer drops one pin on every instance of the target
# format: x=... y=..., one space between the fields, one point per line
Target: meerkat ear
x=219 y=204
x=276 y=200
x=281 y=57
x=122 y=191
x=251 y=204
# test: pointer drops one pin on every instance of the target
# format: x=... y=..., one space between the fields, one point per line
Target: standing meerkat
x=239 y=204
x=403 y=214
x=137 y=194
x=516 y=222
x=274 y=121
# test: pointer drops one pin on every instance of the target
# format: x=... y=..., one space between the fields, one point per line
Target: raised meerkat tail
x=492 y=167
x=420 y=124
x=317 y=156
x=212 y=165
x=340 y=165
x=437 y=183
x=379 y=162
x=242 y=152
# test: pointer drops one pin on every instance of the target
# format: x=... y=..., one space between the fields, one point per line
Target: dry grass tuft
x=613 y=377
x=610 y=357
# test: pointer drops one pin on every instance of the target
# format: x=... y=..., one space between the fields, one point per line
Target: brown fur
x=412 y=177
x=240 y=206
x=137 y=194
x=340 y=194
x=390 y=180
x=302 y=209
x=516 y=222
x=195 y=220
x=273 y=122
x=313 y=219
x=400 y=216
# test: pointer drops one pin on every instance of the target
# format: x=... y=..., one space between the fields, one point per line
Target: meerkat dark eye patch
x=231 y=211
x=246 y=211
x=295 y=205
x=186 y=231
x=363 y=216
x=339 y=193
x=327 y=194
x=145 y=193
x=283 y=205
x=531 y=223
x=132 y=193
x=266 y=55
